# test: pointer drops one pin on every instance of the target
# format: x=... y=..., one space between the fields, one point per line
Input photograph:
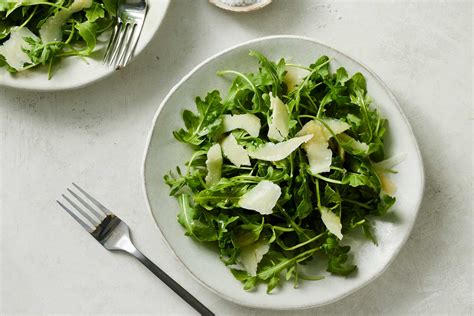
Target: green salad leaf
x=270 y=217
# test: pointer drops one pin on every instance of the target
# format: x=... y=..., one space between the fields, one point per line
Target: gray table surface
x=96 y=136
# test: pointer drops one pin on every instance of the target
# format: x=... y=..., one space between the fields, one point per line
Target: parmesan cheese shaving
x=51 y=31
x=234 y=152
x=388 y=186
x=317 y=149
x=278 y=151
x=294 y=77
x=248 y=122
x=214 y=164
x=251 y=255
x=12 y=49
x=278 y=128
x=381 y=168
x=331 y=221
x=261 y=198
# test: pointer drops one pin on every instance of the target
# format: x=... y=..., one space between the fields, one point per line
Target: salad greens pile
x=42 y=32
x=270 y=201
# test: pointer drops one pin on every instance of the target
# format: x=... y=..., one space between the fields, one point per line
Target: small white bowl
x=240 y=5
x=203 y=263
x=74 y=72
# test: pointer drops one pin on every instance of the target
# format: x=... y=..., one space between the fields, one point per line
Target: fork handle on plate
x=172 y=284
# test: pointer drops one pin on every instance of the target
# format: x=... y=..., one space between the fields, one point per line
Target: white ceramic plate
x=75 y=72
x=164 y=153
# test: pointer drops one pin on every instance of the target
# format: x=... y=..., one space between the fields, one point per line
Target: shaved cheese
x=248 y=122
x=359 y=146
x=317 y=149
x=294 y=76
x=319 y=157
x=391 y=162
x=354 y=144
x=278 y=151
x=336 y=126
x=331 y=221
x=261 y=198
x=12 y=49
x=51 y=30
x=234 y=152
x=388 y=186
x=214 y=164
x=381 y=168
x=251 y=255
x=278 y=128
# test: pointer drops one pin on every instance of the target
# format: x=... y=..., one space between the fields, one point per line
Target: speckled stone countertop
x=96 y=136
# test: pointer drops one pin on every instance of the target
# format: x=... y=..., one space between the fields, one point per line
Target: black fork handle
x=172 y=284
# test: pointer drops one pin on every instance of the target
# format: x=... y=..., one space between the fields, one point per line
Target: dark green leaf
x=338 y=258
x=188 y=218
x=246 y=234
x=206 y=124
x=384 y=203
x=110 y=6
x=303 y=195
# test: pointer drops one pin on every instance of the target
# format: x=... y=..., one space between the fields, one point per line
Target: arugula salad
x=283 y=167
x=41 y=32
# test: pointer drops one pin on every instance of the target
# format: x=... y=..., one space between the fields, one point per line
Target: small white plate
x=75 y=72
x=164 y=153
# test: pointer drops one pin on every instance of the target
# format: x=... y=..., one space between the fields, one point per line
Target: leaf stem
x=29 y=18
x=303 y=243
x=364 y=205
x=327 y=179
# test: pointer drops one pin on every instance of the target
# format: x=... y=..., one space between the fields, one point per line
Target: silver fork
x=130 y=17
x=112 y=233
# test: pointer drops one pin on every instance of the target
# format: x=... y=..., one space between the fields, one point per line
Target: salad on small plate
x=59 y=44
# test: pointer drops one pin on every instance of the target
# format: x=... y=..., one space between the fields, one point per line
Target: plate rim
x=400 y=111
x=107 y=73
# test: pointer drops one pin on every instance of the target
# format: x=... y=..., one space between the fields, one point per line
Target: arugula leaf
x=275 y=72
x=249 y=281
x=111 y=7
x=5 y=28
x=356 y=179
x=385 y=202
x=246 y=234
x=331 y=196
x=87 y=30
x=188 y=218
x=206 y=123
x=304 y=205
x=338 y=257
x=94 y=12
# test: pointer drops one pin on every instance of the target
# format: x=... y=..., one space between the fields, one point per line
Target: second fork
x=130 y=18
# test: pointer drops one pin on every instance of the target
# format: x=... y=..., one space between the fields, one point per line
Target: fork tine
x=94 y=201
x=80 y=210
x=126 y=44
x=132 y=42
x=119 y=45
x=80 y=221
x=112 y=42
x=87 y=205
